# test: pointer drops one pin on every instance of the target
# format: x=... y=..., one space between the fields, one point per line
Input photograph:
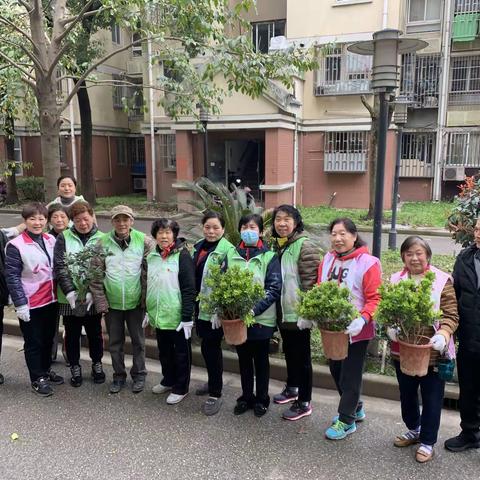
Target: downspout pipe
x=152 y=121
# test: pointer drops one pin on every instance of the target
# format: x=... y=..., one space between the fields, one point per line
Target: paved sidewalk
x=88 y=434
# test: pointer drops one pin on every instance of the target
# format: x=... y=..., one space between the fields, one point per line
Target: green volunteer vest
x=123 y=270
x=73 y=244
x=164 y=300
x=291 y=280
x=258 y=266
x=215 y=257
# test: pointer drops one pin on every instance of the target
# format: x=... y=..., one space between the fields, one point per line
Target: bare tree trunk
x=12 y=195
x=87 y=179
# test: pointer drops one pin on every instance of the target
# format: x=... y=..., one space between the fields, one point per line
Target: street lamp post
x=385 y=47
x=203 y=116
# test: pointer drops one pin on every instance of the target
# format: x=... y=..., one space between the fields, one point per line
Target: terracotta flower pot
x=414 y=359
x=235 y=331
x=335 y=344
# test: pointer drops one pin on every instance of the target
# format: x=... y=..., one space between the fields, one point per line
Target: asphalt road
x=87 y=434
x=440 y=245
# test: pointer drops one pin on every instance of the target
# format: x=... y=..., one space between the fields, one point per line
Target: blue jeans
x=431 y=389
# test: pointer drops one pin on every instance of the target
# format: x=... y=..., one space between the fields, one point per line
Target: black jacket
x=3 y=280
x=468 y=299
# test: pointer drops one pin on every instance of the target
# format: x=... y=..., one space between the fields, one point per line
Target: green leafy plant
x=30 y=189
x=407 y=305
x=84 y=267
x=232 y=293
x=329 y=304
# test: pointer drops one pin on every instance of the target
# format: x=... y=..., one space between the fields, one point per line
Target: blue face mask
x=249 y=237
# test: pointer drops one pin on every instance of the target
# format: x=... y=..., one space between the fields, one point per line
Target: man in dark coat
x=466 y=276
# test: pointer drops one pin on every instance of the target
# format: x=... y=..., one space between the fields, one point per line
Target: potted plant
x=232 y=295
x=329 y=304
x=407 y=306
x=84 y=267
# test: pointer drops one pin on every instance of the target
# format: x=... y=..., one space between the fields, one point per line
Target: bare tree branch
x=66 y=21
x=25 y=4
x=78 y=18
x=29 y=54
x=28 y=79
x=370 y=109
x=6 y=21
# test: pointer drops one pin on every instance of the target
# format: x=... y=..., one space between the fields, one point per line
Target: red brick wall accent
x=184 y=145
x=415 y=189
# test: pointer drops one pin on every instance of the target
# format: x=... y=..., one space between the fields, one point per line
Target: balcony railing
x=464 y=80
x=342 y=72
x=417 y=154
x=420 y=79
x=346 y=152
x=467 y=6
x=463 y=148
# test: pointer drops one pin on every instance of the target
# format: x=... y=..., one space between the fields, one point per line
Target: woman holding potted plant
x=299 y=260
x=423 y=428
x=169 y=276
x=350 y=264
x=73 y=293
x=252 y=254
x=211 y=250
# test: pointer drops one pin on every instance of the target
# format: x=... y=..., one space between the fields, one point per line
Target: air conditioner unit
x=135 y=67
x=456 y=173
x=139 y=183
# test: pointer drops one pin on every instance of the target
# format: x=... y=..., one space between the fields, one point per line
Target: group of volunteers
x=157 y=280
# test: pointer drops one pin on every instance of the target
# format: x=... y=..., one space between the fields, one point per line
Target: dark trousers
x=116 y=320
x=211 y=348
x=431 y=389
x=38 y=339
x=253 y=361
x=468 y=367
x=175 y=354
x=298 y=357
x=1 y=327
x=348 y=374
x=73 y=332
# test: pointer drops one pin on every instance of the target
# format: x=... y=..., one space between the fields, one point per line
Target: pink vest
x=357 y=267
x=37 y=273
x=441 y=278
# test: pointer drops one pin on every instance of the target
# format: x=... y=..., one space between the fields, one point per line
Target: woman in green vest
x=252 y=254
x=209 y=251
x=83 y=233
x=299 y=259
x=169 y=275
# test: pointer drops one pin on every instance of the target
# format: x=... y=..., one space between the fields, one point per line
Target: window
x=342 y=72
x=137 y=151
x=118 y=92
x=135 y=98
x=467 y=6
x=122 y=160
x=262 y=32
x=167 y=151
x=465 y=80
x=417 y=154
x=17 y=149
x=463 y=148
x=115 y=28
x=137 y=48
x=346 y=152
x=424 y=11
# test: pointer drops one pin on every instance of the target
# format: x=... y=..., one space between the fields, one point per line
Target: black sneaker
x=138 y=385
x=52 y=377
x=297 y=411
x=2 y=379
x=259 y=409
x=241 y=407
x=41 y=387
x=117 y=385
x=98 y=374
x=463 y=441
x=76 y=379
x=288 y=394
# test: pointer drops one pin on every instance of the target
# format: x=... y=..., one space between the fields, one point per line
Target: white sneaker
x=174 y=398
x=160 y=388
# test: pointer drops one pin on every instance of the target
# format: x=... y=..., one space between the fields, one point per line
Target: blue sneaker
x=339 y=430
x=359 y=416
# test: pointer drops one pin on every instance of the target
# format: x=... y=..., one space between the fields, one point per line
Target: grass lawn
x=418 y=214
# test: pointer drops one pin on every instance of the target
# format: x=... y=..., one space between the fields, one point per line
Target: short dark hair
x=255 y=217
x=34 y=208
x=350 y=227
x=80 y=207
x=291 y=211
x=63 y=177
x=56 y=207
x=415 y=240
x=212 y=214
x=163 y=223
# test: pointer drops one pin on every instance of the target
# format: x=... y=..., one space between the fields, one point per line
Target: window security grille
x=465 y=80
x=262 y=32
x=342 y=72
x=417 y=154
x=467 y=6
x=463 y=148
x=346 y=152
x=167 y=151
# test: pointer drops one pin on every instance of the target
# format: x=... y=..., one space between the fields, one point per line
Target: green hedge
x=30 y=189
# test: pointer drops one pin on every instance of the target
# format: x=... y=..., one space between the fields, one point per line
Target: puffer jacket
x=3 y=281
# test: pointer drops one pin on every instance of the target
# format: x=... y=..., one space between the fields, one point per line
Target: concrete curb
x=374 y=385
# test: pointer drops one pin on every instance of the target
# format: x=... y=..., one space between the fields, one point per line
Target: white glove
x=145 y=321
x=356 y=326
x=187 y=329
x=23 y=313
x=438 y=342
x=216 y=323
x=72 y=298
x=392 y=333
x=89 y=300
x=303 y=324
